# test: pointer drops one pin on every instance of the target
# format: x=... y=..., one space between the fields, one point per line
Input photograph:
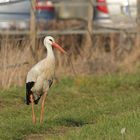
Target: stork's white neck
x=50 y=53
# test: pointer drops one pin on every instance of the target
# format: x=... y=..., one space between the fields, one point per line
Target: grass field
x=81 y=108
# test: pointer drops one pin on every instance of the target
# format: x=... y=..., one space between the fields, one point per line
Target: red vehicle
x=116 y=13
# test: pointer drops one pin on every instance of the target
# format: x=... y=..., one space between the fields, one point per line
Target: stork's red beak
x=58 y=47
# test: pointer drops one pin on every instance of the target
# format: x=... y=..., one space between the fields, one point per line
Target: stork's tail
x=29 y=85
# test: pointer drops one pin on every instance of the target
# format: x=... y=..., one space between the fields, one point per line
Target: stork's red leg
x=33 y=112
x=42 y=107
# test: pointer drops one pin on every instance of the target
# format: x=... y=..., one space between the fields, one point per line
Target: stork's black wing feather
x=29 y=85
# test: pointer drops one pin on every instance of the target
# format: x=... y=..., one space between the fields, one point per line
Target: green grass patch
x=86 y=107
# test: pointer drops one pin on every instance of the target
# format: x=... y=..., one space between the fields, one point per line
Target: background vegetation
x=100 y=101
x=111 y=53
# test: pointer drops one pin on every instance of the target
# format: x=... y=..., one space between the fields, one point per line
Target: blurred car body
x=116 y=13
x=16 y=13
x=119 y=14
x=108 y=13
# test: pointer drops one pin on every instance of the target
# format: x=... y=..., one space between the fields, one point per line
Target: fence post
x=90 y=22
x=138 y=13
x=138 y=24
x=33 y=30
x=88 y=41
x=90 y=18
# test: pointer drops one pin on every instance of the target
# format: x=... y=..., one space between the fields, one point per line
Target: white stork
x=40 y=77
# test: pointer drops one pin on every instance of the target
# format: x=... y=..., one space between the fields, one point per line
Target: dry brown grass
x=13 y=62
x=113 y=53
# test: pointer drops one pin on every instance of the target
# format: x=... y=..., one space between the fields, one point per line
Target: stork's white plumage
x=40 y=77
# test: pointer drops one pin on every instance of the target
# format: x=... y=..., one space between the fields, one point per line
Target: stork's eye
x=51 y=40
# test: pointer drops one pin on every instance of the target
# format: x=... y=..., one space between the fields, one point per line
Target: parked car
x=16 y=13
x=120 y=14
x=116 y=13
x=45 y=10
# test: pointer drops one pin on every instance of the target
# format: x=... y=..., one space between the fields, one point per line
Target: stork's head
x=49 y=42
